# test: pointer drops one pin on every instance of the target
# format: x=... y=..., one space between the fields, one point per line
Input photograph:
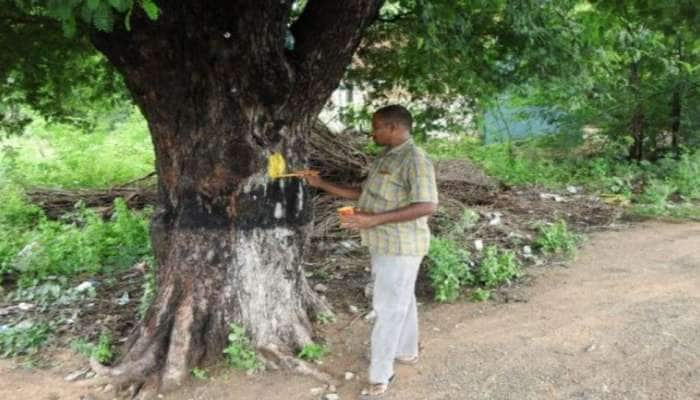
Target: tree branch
x=326 y=36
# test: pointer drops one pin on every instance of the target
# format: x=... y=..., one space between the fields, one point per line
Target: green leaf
x=103 y=19
x=69 y=26
x=121 y=5
x=86 y=13
x=151 y=9
x=93 y=4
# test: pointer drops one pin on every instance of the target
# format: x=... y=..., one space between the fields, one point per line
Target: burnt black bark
x=221 y=93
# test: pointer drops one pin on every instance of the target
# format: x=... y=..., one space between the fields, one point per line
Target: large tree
x=222 y=85
x=225 y=84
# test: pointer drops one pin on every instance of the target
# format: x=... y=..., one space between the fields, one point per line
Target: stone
x=527 y=250
x=353 y=309
x=349 y=376
x=370 y=316
x=321 y=288
x=108 y=388
x=316 y=391
x=124 y=300
x=332 y=389
x=25 y=306
x=331 y=396
x=75 y=375
x=84 y=286
x=479 y=244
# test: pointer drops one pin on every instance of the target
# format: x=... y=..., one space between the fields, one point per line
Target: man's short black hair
x=396 y=114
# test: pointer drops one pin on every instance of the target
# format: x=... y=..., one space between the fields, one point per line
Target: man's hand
x=359 y=220
x=314 y=180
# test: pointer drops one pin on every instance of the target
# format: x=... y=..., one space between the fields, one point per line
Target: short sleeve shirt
x=401 y=176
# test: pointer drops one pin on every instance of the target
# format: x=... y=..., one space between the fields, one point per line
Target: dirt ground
x=622 y=321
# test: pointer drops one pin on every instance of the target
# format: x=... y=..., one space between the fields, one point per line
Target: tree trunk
x=676 y=105
x=220 y=95
x=637 y=121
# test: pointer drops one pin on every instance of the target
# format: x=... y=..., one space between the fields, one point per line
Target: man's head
x=391 y=125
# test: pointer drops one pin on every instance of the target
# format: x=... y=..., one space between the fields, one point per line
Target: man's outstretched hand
x=314 y=180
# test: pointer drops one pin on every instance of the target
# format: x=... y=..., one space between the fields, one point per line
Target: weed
x=325 y=318
x=240 y=352
x=82 y=347
x=448 y=269
x=199 y=373
x=556 y=238
x=25 y=338
x=313 y=352
x=498 y=266
x=103 y=351
x=480 y=294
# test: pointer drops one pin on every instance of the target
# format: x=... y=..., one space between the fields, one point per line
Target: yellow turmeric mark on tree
x=276 y=166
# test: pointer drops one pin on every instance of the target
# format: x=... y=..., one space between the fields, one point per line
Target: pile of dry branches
x=338 y=156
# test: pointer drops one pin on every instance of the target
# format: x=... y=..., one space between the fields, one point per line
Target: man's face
x=382 y=132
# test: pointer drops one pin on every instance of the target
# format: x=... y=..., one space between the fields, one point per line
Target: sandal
x=408 y=360
x=375 y=390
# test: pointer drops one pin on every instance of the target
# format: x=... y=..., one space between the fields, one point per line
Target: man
x=394 y=204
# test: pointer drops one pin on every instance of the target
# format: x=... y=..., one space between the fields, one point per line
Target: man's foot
x=375 y=390
x=407 y=360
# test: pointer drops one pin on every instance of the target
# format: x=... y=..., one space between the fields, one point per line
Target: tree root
x=296 y=365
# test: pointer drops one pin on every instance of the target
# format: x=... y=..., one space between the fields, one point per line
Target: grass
x=65 y=157
x=669 y=187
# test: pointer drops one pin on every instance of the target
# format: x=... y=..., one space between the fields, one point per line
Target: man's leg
x=395 y=278
x=408 y=343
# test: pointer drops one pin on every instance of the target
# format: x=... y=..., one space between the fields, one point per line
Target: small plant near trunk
x=240 y=352
x=313 y=352
x=199 y=373
x=325 y=318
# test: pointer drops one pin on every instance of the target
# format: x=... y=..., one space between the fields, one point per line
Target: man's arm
x=362 y=220
x=349 y=193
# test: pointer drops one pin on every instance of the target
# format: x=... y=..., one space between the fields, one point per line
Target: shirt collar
x=400 y=147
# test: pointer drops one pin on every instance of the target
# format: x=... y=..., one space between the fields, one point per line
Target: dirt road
x=622 y=321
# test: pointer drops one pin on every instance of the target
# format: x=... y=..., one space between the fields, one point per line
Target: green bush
x=448 y=269
x=498 y=266
x=83 y=243
x=556 y=238
x=240 y=352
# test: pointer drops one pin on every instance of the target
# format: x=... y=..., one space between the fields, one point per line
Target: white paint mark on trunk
x=278 y=210
x=300 y=199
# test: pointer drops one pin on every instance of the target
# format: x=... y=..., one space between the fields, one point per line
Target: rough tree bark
x=220 y=93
